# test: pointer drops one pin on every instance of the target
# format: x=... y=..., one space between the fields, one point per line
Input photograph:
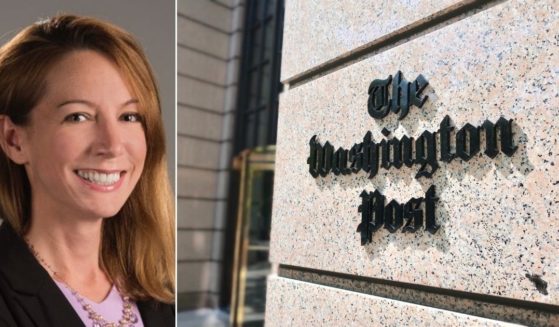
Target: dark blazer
x=29 y=296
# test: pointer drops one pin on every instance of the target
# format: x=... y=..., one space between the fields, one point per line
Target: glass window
x=259 y=76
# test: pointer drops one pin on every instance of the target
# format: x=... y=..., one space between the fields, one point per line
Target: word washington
x=374 y=214
x=393 y=152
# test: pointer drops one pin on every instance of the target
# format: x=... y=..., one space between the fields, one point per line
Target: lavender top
x=110 y=308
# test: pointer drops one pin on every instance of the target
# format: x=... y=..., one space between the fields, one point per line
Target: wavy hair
x=137 y=246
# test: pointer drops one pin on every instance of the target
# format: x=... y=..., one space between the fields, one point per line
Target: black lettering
x=312 y=160
x=394 y=152
x=385 y=162
x=364 y=226
x=490 y=139
x=407 y=144
x=378 y=210
x=356 y=157
x=413 y=214
x=393 y=216
x=445 y=135
x=417 y=87
x=400 y=95
x=372 y=215
x=339 y=162
x=505 y=127
x=324 y=158
x=430 y=221
x=370 y=155
x=396 y=146
x=378 y=102
x=467 y=142
x=426 y=154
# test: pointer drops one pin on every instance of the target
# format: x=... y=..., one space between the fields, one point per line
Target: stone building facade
x=344 y=259
x=209 y=37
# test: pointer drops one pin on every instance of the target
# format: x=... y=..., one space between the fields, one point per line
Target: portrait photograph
x=87 y=205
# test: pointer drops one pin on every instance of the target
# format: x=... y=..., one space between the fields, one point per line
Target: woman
x=88 y=233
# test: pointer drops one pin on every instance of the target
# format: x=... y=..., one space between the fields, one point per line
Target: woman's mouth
x=100 y=178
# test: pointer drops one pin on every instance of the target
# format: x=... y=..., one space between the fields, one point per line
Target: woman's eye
x=76 y=117
x=132 y=117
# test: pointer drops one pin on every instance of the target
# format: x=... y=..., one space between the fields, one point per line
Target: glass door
x=251 y=265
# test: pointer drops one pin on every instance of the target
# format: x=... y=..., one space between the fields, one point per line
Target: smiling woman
x=83 y=180
x=96 y=153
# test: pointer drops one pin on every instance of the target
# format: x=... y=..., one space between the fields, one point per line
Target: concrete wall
x=494 y=259
x=209 y=40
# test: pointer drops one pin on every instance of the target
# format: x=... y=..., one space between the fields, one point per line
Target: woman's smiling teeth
x=99 y=178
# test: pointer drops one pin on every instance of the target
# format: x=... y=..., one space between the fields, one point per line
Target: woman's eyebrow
x=131 y=101
x=78 y=101
x=93 y=105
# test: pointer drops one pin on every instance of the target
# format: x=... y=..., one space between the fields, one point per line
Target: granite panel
x=295 y=303
x=498 y=216
x=333 y=28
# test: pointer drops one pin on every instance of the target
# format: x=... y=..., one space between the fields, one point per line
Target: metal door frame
x=248 y=162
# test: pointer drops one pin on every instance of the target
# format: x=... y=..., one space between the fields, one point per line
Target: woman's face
x=85 y=145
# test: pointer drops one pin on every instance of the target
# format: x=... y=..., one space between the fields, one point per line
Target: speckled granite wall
x=313 y=305
x=333 y=27
x=498 y=216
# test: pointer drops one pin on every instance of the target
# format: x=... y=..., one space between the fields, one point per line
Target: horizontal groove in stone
x=403 y=35
x=481 y=305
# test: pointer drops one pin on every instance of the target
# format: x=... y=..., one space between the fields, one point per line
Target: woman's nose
x=109 y=138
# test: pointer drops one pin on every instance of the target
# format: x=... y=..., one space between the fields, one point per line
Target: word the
x=404 y=94
x=374 y=214
x=393 y=152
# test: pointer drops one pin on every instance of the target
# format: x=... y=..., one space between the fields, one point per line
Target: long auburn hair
x=137 y=246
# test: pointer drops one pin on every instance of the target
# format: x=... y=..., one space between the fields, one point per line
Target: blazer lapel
x=34 y=290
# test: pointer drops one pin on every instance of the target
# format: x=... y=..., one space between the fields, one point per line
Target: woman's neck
x=69 y=249
x=67 y=245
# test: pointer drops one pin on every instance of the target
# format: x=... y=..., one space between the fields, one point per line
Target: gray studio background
x=151 y=22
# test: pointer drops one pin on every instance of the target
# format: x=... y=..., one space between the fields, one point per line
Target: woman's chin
x=106 y=212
